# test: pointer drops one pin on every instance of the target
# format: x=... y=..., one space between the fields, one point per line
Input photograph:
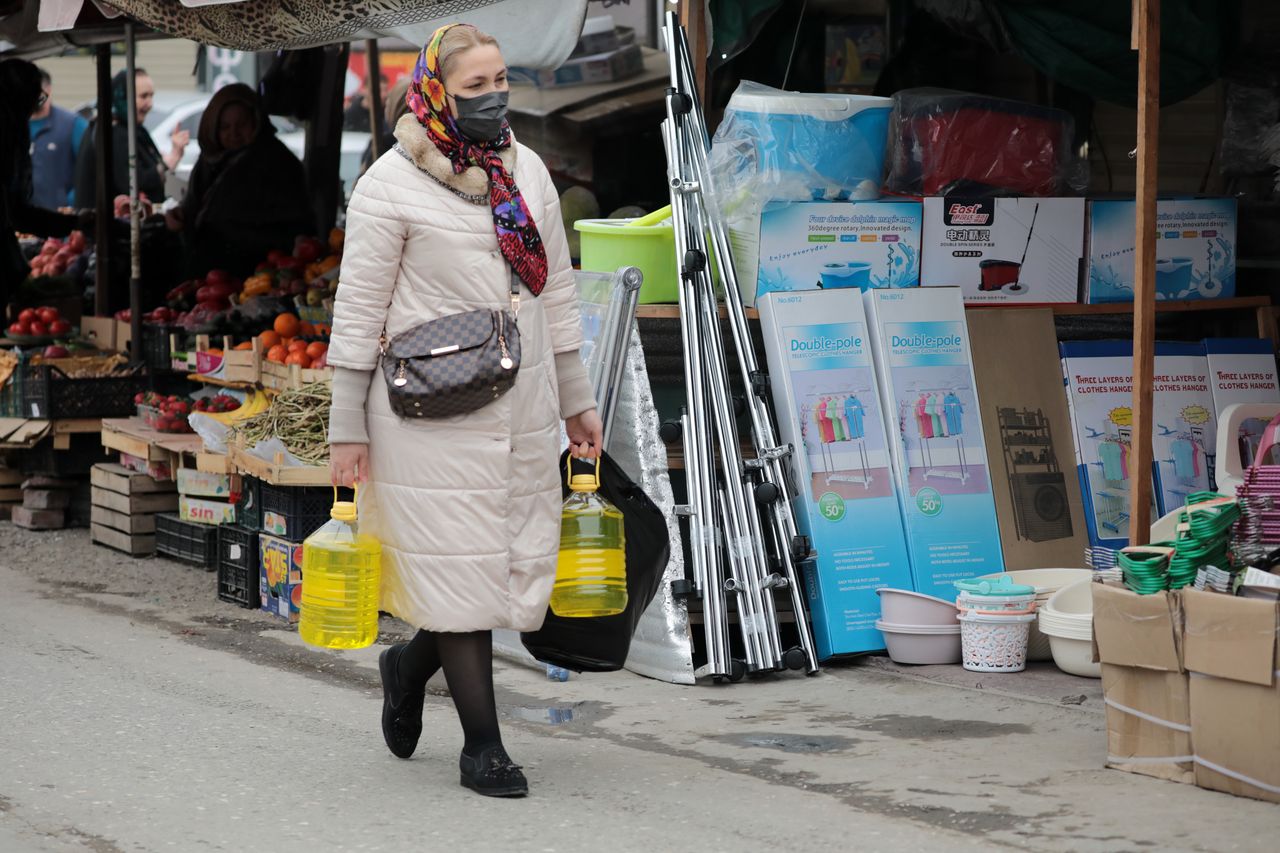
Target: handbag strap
x=515 y=311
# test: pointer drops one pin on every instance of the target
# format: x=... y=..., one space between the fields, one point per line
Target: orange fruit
x=315 y=349
x=286 y=325
x=305 y=329
x=277 y=354
x=299 y=358
x=245 y=345
x=269 y=339
x=296 y=345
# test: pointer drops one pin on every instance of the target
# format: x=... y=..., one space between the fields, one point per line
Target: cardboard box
x=1004 y=250
x=1138 y=639
x=1183 y=437
x=280 y=576
x=828 y=245
x=928 y=395
x=1027 y=427
x=824 y=391
x=1233 y=652
x=1242 y=370
x=600 y=68
x=206 y=511
x=202 y=484
x=158 y=471
x=1099 y=379
x=1195 y=249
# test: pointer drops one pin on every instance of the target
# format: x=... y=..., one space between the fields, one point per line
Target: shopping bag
x=600 y=644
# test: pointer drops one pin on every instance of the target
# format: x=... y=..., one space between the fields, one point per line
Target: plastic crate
x=49 y=393
x=187 y=541
x=238 y=559
x=156 y=351
x=294 y=512
x=249 y=503
x=76 y=461
x=11 y=399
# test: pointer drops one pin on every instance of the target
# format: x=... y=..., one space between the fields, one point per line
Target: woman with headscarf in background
x=152 y=166
x=248 y=193
x=20 y=94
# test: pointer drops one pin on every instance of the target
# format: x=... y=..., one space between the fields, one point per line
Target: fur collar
x=413 y=137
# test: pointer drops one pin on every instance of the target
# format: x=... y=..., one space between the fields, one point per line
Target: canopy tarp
x=533 y=33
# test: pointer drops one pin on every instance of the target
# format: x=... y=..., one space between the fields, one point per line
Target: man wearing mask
x=56 y=135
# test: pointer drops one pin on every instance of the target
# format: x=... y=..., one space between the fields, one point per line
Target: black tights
x=467 y=660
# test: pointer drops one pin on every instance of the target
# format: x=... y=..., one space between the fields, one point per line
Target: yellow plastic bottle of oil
x=341 y=579
x=591 y=572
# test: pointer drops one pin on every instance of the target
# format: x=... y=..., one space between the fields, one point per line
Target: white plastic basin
x=903 y=607
x=1067 y=620
x=1046 y=582
x=1074 y=656
x=921 y=644
x=1074 y=600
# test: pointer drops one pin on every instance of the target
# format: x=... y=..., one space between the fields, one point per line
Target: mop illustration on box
x=900 y=267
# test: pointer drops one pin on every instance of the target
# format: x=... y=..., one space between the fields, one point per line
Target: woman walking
x=458 y=217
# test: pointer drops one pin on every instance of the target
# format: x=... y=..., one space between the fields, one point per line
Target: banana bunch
x=255 y=404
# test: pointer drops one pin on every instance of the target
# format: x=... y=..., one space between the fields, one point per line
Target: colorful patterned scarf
x=518 y=235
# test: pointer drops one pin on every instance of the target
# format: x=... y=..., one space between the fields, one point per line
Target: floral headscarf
x=518 y=235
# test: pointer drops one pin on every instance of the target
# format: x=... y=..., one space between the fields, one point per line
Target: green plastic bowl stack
x=1204 y=530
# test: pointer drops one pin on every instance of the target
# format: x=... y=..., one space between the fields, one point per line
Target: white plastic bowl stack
x=918 y=629
x=1067 y=620
x=1046 y=582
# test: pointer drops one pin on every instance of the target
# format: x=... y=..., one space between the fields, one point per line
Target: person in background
x=20 y=96
x=395 y=106
x=56 y=135
x=248 y=192
x=151 y=165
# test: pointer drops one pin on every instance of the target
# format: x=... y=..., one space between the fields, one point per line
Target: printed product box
x=1183 y=430
x=205 y=485
x=931 y=408
x=1233 y=650
x=280 y=576
x=824 y=390
x=854 y=55
x=204 y=511
x=1138 y=640
x=1195 y=249
x=1004 y=250
x=1029 y=439
x=1242 y=370
x=828 y=246
x=599 y=68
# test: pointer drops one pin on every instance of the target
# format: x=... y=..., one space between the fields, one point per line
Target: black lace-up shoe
x=401 y=709
x=492 y=773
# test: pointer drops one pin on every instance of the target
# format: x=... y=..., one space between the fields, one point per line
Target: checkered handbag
x=455 y=364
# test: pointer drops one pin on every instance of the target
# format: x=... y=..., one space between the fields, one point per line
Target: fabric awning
x=533 y=33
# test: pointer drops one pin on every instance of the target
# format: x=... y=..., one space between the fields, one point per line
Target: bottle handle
x=355 y=492
x=568 y=471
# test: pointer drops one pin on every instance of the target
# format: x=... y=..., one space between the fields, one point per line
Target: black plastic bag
x=601 y=644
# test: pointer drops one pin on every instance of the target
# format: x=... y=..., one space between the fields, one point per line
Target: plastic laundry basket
x=608 y=244
x=991 y=643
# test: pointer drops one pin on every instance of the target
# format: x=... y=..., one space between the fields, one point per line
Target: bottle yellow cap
x=584 y=483
x=343 y=511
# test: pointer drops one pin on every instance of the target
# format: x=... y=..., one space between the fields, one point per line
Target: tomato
x=19 y=329
x=59 y=328
x=48 y=315
x=26 y=315
x=38 y=329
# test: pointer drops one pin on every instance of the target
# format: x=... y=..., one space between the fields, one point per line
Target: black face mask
x=480 y=118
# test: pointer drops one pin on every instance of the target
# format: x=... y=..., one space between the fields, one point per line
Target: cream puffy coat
x=467 y=508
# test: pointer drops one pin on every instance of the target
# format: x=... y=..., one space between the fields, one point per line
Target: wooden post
x=373 y=85
x=103 y=203
x=1146 y=40
x=693 y=17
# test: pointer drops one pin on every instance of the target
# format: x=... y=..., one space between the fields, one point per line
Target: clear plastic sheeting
x=943 y=142
x=775 y=145
x=661 y=647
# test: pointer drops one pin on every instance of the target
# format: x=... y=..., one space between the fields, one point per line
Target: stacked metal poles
x=615 y=338
x=743 y=536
